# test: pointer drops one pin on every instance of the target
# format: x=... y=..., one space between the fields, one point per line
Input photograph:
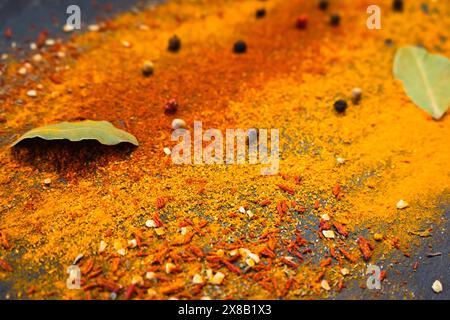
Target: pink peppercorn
x=302 y=22
x=171 y=106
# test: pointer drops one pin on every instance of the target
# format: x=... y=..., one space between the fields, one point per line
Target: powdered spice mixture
x=200 y=245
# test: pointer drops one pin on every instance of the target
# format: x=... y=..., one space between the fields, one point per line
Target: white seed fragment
x=183 y=230
x=329 y=234
x=132 y=243
x=22 y=71
x=32 y=93
x=94 y=27
x=218 y=278
x=325 y=217
x=167 y=151
x=102 y=246
x=170 y=267
x=402 y=204
x=150 y=275
x=68 y=28
x=37 y=57
x=205 y=298
x=122 y=252
x=324 y=284
x=178 y=124
x=241 y=209
x=250 y=262
x=437 y=286
x=356 y=95
x=197 y=279
x=47 y=181
x=50 y=42
x=340 y=160
x=345 y=271
x=150 y=224
x=126 y=44
x=250 y=214
x=33 y=46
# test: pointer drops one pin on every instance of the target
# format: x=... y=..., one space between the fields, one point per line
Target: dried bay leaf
x=425 y=77
x=102 y=131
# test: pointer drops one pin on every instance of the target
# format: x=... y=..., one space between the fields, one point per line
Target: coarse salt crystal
x=329 y=234
x=197 y=279
x=324 y=284
x=150 y=224
x=167 y=151
x=132 y=243
x=218 y=278
x=31 y=93
x=437 y=286
x=402 y=204
x=102 y=246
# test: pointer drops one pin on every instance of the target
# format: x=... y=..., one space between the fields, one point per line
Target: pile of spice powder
x=221 y=231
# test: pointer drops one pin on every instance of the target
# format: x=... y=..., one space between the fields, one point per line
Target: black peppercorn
x=174 y=44
x=335 y=20
x=397 y=5
x=260 y=13
x=340 y=106
x=323 y=4
x=240 y=47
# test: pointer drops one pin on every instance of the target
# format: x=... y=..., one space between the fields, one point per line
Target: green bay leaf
x=102 y=131
x=425 y=77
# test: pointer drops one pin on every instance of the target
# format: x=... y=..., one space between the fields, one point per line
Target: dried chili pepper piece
x=340 y=229
x=365 y=248
x=5 y=265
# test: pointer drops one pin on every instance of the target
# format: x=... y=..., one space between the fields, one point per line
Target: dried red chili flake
x=96 y=272
x=289 y=262
x=8 y=33
x=197 y=251
x=347 y=255
x=300 y=209
x=108 y=285
x=365 y=248
x=5 y=265
x=4 y=240
x=171 y=106
x=56 y=79
x=302 y=22
x=340 y=229
x=231 y=267
x=264 y=202
x=286 y=188
x=325 y=262
x=415 y=265
x=160 y=202
x=336 y=190
x=203 y=223
x=282 y=207
x=324 y=225
x=115 y=265
x=157 y=220
x=316 y=204
x=130 y=291
x=268 y=253
x=87 y=266
x=42 y=37
x=396 y=243
x=383 y=275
